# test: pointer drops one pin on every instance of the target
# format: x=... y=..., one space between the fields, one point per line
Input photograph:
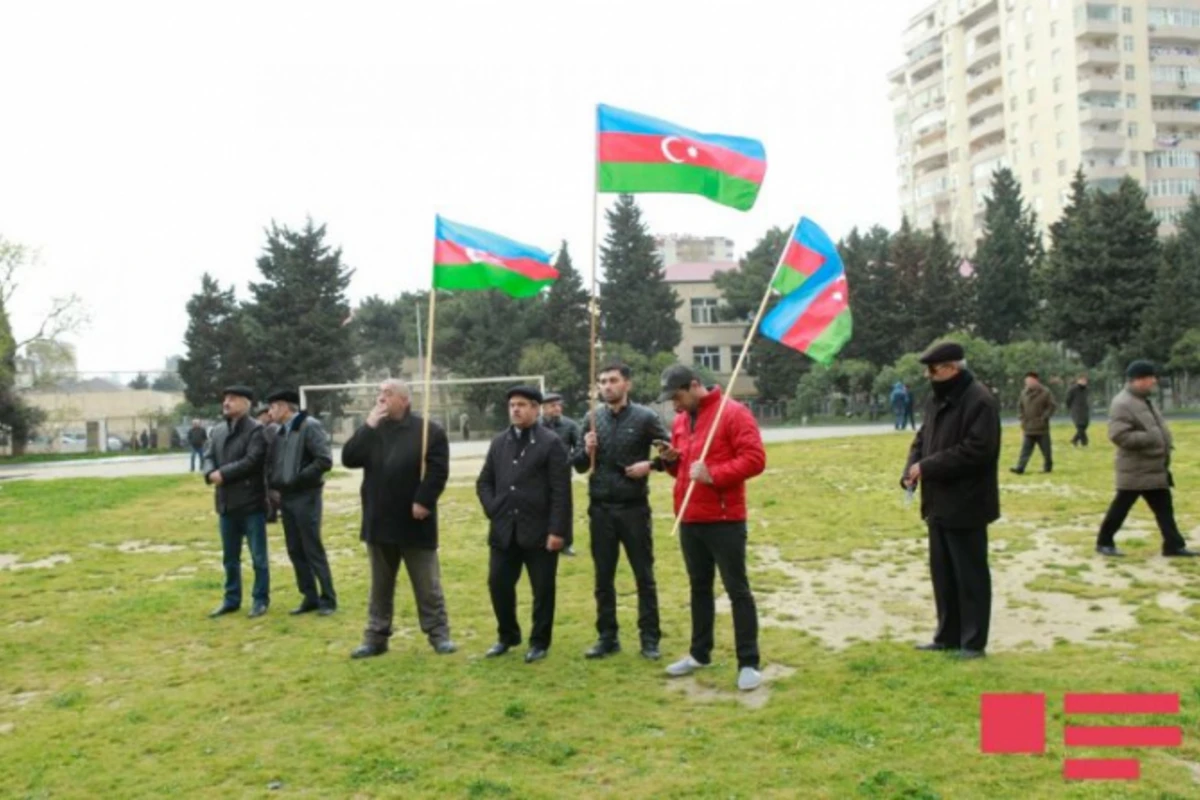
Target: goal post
x=467 y=408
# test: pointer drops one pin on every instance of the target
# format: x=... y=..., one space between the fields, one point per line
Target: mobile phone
x=661 y=444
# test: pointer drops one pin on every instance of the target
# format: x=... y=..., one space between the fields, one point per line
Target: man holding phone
x=619 y=507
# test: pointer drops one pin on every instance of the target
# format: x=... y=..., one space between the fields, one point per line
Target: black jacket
x=566 y=429
x=1079 y=404
x=239 y=451
x=623 y=439
x=390 y=456
x=525 y=488
x=197 y=437
x=958 y=447
x=300 y=456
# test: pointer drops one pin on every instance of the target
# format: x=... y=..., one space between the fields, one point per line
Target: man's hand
x=215 y=478
x=420 y=512
x=554 y=543
x=700 y=473
x=376 y=416
x=914 y=474
x=639 y=470
x=590 y=442
x=666 y=452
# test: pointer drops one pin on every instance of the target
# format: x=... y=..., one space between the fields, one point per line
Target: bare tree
x=66 y=314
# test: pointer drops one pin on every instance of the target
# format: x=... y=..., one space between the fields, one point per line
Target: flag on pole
x=636 y=153
x=466 y=258
x=814 y=314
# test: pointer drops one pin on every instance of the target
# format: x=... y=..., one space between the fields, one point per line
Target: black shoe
x=1047 y=470
x=1016 y=471
x=570 y=551
x=304 y=608
x=650 y=651
x=223 y=610
x=498 y=649
x=1182 y=552
x=258 y=610
x=969 y=655
x=325 y=611
x=1109 y=550
x=445 y=647
x=536 y=654
x=369 y=650
x=601 y=649
x=933 y=647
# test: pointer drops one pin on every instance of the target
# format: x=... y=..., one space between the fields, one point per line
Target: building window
x=1059 y=140
x=1037 y=177
x=1167 y=159
x=1132 y=130
x=1012 y=50
x=1033 y=149
x=1133 y=158
x=1032 y=122
x=1172 y=187
x=1126 y=14
x=1058 y=112
x=1012 y=78
x=1129 y=72
x=1055 y=55
x=1012 y=104
x=1032 y=95
x=1062 y=167
x=1028 y=42
x=1028 y=15
x=708 y=356
x=1031 y=70
x=1057 y=85
x=1131 y=101
x=1037 y=205
x=704 y=310
x=1127 y=43
x=1053 y=29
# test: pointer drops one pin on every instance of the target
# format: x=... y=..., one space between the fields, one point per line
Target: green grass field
x=114 y=684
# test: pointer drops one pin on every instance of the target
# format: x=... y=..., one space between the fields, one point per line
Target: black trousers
x=1043 y=443
x=1081 y=436
x=301 y=514
x=709 y=547
x=1160 y=503
x=962 y=585
x=504 y=571
x=614 y=526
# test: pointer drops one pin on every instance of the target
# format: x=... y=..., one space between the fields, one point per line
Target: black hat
x=284 y=395
x=943 y=353
x=1140 y=369
x=240 y=390
x=552 y=397
x=528 y=392
x=259 y=410
x=675 y=378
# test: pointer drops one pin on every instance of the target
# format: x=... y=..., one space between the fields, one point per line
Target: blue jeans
x=254 y=528
x=197 y=457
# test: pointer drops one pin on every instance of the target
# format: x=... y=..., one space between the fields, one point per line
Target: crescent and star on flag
x=690 y=152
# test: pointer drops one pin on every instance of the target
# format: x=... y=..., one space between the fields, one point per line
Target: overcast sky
x=145 y=143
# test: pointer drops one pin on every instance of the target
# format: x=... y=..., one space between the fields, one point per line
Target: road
x=466 y=457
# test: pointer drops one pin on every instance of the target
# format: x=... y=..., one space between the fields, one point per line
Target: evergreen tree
x=1175 y=305
x=907 y=252
x=481 y=334
x=295 y=322
x=638 y=305
x=385 y=333
x=941 y=290
x=1006 y=262
x=140 y=381
x=874 y=297
x=566 y=324
x=215 y=343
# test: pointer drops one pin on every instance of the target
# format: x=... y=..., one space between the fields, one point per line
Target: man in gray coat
x=1143 y=463
x=300 y=457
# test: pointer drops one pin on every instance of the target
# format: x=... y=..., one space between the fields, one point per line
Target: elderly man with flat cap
x=525 y=490
x=234 y=462
x=1143 y=463
x=954 y=458
x=300 y=457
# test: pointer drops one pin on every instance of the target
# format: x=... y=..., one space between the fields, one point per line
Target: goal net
x=468 y=408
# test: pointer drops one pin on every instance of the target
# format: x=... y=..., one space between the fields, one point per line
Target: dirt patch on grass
x=146 y=546
x=698 y=692
x=13 y=561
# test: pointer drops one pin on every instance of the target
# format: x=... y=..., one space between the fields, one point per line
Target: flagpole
x=428 y=381
x=712 y=431
x=593 y=304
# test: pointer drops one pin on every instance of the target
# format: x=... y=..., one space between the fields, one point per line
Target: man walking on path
x=1143 y=463
x=196 y=438
x=1035 y=407
x=1079 y=405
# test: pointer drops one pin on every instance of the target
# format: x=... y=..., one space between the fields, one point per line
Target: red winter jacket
x=736 y=456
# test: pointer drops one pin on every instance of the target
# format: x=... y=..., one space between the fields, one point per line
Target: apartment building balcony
x=989 y=151
x=1105 y=172
x=984 y=102
x=1102 y=142
x=985 y=77
x=986 y=127
x=1100 y=114
x=928 y=131
x=1088 y=26
x=1176 y=116
x=932 y=154
x=1109 y=84
x=1174 y=33
x=1097 y=56
x=926 y=61
x=983 y=52
x=1162 y=173
x=1175 y=89
x=984 y=23
x=931 y=81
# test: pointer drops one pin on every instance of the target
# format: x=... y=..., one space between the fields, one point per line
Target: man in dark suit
x=525 y=490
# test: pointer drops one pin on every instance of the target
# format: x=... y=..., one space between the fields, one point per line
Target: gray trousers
x=426 y=577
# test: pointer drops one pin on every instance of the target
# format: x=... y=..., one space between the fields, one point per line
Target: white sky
x=143 y=143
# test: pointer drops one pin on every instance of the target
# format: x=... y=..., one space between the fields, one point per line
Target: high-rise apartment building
x=1042 y=87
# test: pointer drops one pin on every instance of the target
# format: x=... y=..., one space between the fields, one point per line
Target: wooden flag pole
x=593 y=303
x=712 y=431
x=428 y=380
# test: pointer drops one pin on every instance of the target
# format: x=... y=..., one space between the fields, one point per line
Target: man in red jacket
x=713 y=529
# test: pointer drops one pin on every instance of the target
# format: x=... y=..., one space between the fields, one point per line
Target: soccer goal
x=468 y=408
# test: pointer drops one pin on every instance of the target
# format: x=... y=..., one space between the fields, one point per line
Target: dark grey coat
x=300 y=456
x=239 y=450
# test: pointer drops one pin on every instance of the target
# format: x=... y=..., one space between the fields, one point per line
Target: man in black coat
x=525 y=490
x=300 y=457
x=955 y=458
x=235 y=462
x=399 y=514
x=564 y=428
x=1079 y=404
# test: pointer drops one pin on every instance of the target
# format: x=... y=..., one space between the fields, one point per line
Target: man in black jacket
x=1079 y=404
x=234 y=462
x=399 y=514
x=564 y=428
x=196 y=438
x=954 y=458
x=300 y=457
x=619 y=507
x=525 y=490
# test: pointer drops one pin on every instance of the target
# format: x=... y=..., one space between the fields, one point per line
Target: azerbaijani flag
x=466 y=258
x=814 y=314
x=636 y=153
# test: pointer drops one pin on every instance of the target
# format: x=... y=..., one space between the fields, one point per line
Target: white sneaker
x=684 y=666
x=749 y=679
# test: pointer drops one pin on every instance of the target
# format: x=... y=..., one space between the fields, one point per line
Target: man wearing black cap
x=564 y=428
x=619 y=506
x=1036 y=407
x=234 y=462
x=954 y=459
x=712 y=532
x=300 y=458
x=525 y=490
x=1143 y=463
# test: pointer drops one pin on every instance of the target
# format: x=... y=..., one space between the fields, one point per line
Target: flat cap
x=943 y=353
x=259 y=410
x=675 y=378
x=241 y=390
x=528 y=392
x=285 y=396
x=1140 y=369
x=552 y=397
